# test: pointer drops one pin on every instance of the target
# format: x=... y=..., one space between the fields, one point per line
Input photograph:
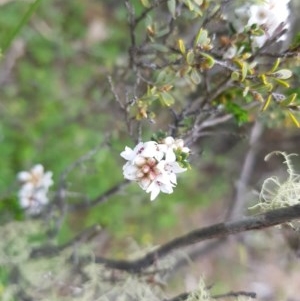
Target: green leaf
x=240 y=115
x=162 y=33
x=276 y=65
x=181 y=46
x=159 y=47
x=282 y=82
x=267 y=103
x=244 y=70
x=190 y=57
x=164 y=77
x=195 y=77
x=32 y=8
x=289 y=100
x=145 y=3
x=166 y=98
x=294 y=119
x=172 y=8
x=283 y=74
x=235 y=75
x=209 y=59
x=201 y=38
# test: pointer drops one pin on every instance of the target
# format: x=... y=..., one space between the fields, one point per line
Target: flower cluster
x=154 y=165
x=34 y=188
x=271 y=15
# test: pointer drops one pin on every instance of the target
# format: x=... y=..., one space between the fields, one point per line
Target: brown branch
x=184 y=296
x=147 y=11
x=221 y=230
x=235 y=295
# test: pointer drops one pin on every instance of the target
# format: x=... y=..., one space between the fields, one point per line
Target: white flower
x=153 y=166
x=230 y=52
x=160 y=183
x=34 y=188
x=171 y=168
x=271 y=15
x=33 y=199
x=170 y=146
x=36 y=177
x=147 y=150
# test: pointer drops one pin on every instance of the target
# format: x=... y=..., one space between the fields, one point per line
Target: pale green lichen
x=201 y=293
x=275 y=194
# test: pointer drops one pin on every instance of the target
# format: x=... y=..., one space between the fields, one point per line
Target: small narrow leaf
x=5 y=44
x=267 y=103
x=244 y=71
x=245 y=91
x=282 y=82
x=289 y=100
x=275 y=66
x=294 y=119
x=269 y=87
x=181 y=46
x=159 y=47
x=264 y=79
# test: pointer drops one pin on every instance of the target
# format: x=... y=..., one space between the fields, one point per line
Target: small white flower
x=170 y=146
x=171 y=168
x=34 y=188
x=33 y=200
x=179 y=145
x=230 y=52
x=161 y=183
x=36 y=177
x=269 y=14
x=147 y=150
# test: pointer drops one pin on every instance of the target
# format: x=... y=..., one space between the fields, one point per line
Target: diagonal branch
x=184 y=296
x=257 y=222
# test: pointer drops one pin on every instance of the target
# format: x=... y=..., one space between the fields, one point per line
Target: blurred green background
x=57 y=105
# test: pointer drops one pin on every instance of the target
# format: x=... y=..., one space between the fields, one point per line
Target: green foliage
x=18 y=27
x=57 y=104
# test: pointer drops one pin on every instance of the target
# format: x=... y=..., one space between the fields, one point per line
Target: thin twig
x=147 y=11
x=101 y=198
